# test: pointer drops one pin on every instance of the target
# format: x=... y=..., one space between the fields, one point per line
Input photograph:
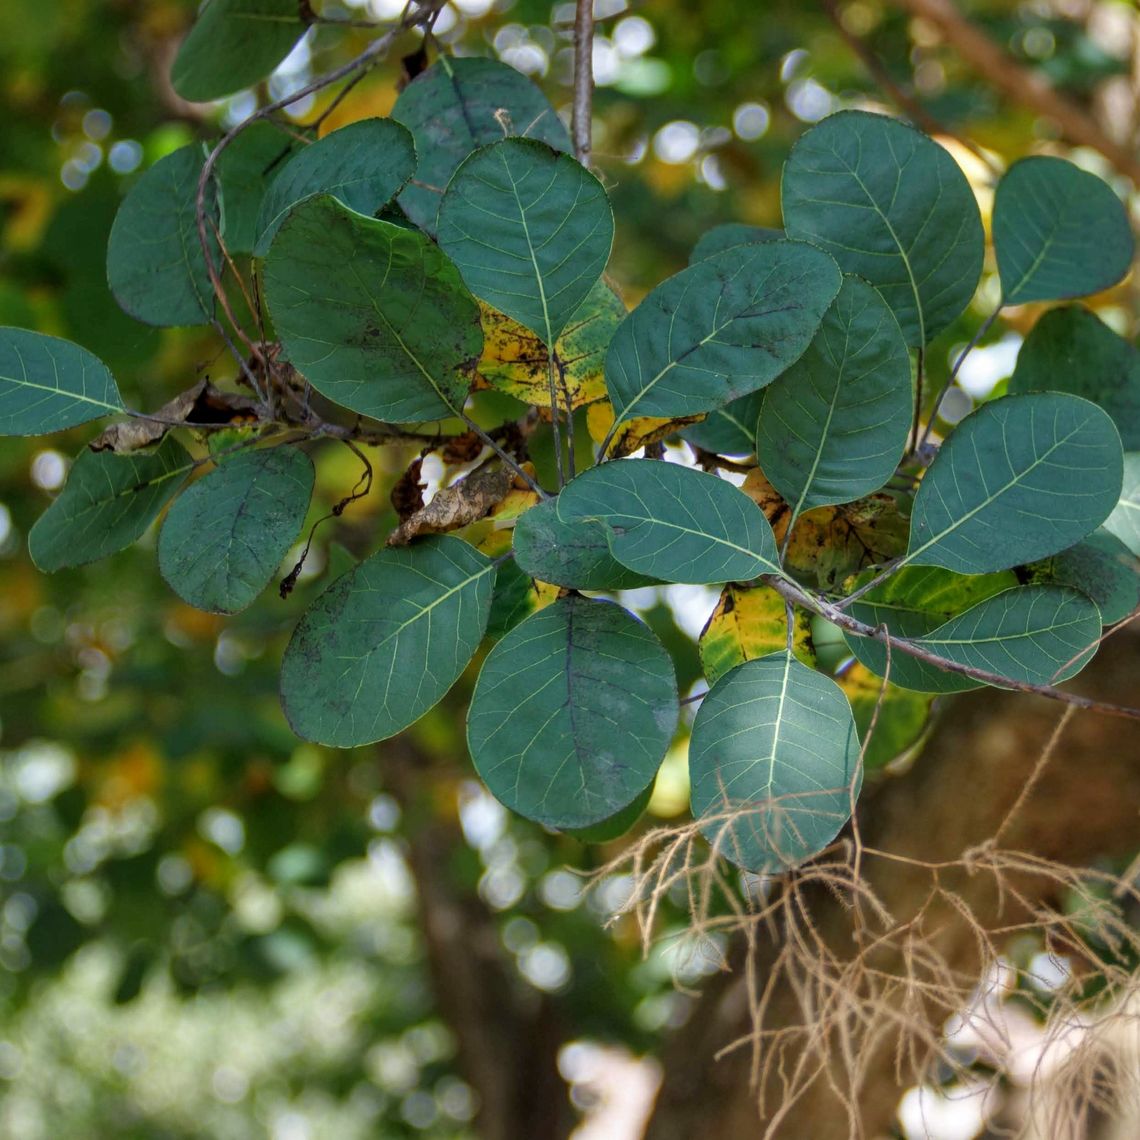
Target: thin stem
x=504 y=455
x=882 y=576
x=583 y=80
x=974 y=341
x=918 y=381
x=555 y=413
x=789 y=591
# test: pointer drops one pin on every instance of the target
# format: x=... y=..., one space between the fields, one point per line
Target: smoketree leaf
x=1019 y=479
x=892 y=206
x=572 y=713
x=1124 y=522
x=730 y=430
x=234 y=44
x=725 y=236
x=374 y=315
x=722 y=328
x=225 y=537
x=773 y=763
x=834 y=426
x=386 y=641
x=48 y=384
x=459 y=105
x=671 y=522
x=1058 y=232
x=108 y=502
x=362 y=165
x=155 y=265
x=530 y=230
x=1100 y=566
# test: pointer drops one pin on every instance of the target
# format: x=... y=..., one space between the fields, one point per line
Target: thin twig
x=583 y=80
x=789 y=591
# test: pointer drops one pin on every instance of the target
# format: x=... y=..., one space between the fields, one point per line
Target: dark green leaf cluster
x=386 y=250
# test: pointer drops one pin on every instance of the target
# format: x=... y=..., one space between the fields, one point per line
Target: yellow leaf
x=633 y=434
x=750 y=623
x=516 y=362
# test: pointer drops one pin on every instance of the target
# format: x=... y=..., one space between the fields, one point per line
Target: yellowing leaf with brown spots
x=515 y=361
x=633 y=434
x=750 y=623
x=830 y=544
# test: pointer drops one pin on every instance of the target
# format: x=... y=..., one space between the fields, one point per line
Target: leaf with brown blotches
x=466 y=501
x=633 y=434
x=749 y=623
x=515 y=361
x=829 y=544
x=407 y=497
x=201 y=405
x=465 y=448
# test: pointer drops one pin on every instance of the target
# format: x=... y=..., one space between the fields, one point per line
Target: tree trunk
x=956 y=796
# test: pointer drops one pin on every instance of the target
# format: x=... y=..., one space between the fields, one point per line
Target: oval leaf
x=673 y=523
x=1102 y=568
x=891 y=205
x=48 y=384
x=834 y=427
x=384 y=643
x=1058 y=232
x=912 y=603
x=572 y=713
x=1072 y=350
x=361 y=165
x=224 y=539
x=108 y=503
x=720 y=329
x=530 y=230
x=155 y=265
x=1019 y=479
x=235 y=44
x=575 y=555
x=374 y=315
x=1036 y=634
x=774 y=763
x=1124 y=522
x=458 y=105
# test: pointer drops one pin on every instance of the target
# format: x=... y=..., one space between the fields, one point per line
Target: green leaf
x=834 y=426
x=911 y=603
x=224 y=538
x=1072 y=350
x=1124 y=521
x=730 y=430
x=384 y=643
x=374 y=315
x=48 y=384
x=773 y=762
x=750 y=622
x=671 y=522
x=572 y=554
x=1058 y=232
x=458 y=105
x=720 y=329
x=723 y=237
x=1100 y=566
x=572 y=713
x=530 y=230
x=235 y=44
x=155 y=265
x=893 y=207
x=1019 y=479
x=1036 y=634
x=108 y=503
x=245 y=170
x=362 y=166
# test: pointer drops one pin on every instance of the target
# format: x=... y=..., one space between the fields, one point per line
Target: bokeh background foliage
x=208 y=928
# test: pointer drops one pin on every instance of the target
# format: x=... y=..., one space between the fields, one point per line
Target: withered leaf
x=466 y=501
